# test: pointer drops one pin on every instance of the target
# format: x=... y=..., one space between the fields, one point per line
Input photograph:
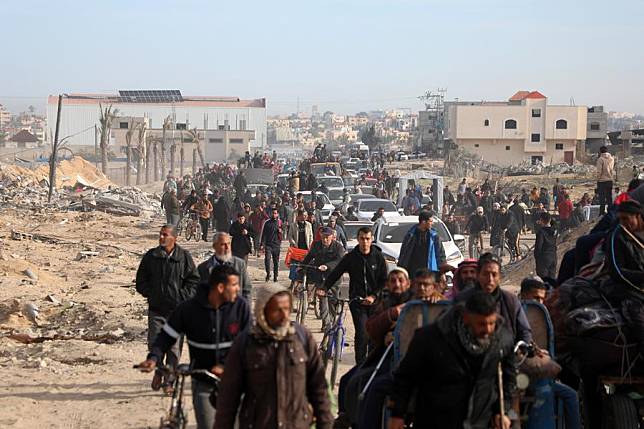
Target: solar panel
x=151 y=96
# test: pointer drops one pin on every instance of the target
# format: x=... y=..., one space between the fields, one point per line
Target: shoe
x=275 y=278
x=268 y=277
x=168 y=390
x=157 y=380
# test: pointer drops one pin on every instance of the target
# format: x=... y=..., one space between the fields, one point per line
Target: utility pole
x=54 y=152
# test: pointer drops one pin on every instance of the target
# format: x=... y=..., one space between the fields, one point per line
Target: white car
x=331 y=182
x=389 y=234
x=327 y=209
x=366 y=208
x=254 y=187
x=351 y=230
x=336 y=196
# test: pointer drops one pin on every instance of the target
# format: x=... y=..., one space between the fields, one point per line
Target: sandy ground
x=85 y=379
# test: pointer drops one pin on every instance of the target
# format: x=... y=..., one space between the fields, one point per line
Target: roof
x=24 y=136
x=199 y=101
x=522 y=95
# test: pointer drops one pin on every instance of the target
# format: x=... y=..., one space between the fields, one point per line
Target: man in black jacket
x=242 y=233
x=367 y=275
x=476 y=226
x=325 y=254
x=166 y=277
x=270 y=242
x=545 y=248
x=221 y=244
x=211 y=321
x=453 y=366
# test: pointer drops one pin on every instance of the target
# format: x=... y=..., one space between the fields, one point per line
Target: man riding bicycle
x=211 y=321
x=510 y=228
x=476 y=225
x=325 y=254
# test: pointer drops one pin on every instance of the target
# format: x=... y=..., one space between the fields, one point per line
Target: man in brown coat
x=277 y=369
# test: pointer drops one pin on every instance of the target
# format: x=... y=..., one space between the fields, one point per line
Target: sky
x=341 y=55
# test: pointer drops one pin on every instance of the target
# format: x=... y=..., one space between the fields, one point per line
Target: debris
x=85 y=254
x=31 y=312
x=30 y=274
x=17 y=235
x=53 y=299
x=107 y=269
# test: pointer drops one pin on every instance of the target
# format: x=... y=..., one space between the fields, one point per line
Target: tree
x=368 y=137
x=182 y=155
x=128 y=150
x=31 y=109
x=194 y=135
x=106 y=118
x=167 y=124
x=142 y=152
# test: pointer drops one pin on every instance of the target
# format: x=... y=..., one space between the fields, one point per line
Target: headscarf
x=261 y=326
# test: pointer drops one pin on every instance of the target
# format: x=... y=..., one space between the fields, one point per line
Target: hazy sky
x=344 y=56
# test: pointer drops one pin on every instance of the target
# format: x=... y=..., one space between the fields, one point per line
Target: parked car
x=351 y=230
x=365 y=208
x=390 y=231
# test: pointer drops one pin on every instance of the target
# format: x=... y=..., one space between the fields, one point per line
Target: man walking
x=276 y=368
x=166 y=277
x=241 y=233
x=367 y=275
x=545 y=248
x=422 y=247
x=216 y=299
x=300 y=234
x=221 y=243
x=203 y=208
x=605 y=173
x=270 y=241
x=459 y=354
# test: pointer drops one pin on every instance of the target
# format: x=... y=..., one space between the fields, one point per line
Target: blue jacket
x=435 y=253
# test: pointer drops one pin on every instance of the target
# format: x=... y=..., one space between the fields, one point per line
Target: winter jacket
x=367 y=273
x=329 y=256
x=271 y=235
x=476 y=224
x=210 y=332
x=545 y=252
x=509 y=307
x=384 y=316
x=435 y=256
x=238 y=264
x=625 y=260
x=241 y=244
x=451 y=393
x=293 y=233
x=605 y=167
x=166 y=280
x=280 y=377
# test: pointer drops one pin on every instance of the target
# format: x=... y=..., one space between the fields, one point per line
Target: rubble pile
x=80 y=186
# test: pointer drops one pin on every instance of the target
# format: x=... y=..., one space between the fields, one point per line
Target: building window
x=242 y=124
x=536 y=113
x=507 y=148
x=181 y=126
x=559 y=146
x=486 y=123
x=561 y=124
x=123 y=125
x=215 y=140
x=236 y=141
x=594 y=126
x=510 y=124
x=476 y=145
x=537 y=159
x=536 y=138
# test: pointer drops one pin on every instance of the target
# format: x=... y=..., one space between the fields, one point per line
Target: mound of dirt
x=68 y=173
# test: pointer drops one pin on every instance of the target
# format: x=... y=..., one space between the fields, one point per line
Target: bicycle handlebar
x=182 y=370
x=313 y=267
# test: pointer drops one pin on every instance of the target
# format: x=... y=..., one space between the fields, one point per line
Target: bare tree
x=155 y=150
x=194 y=135
x=167 y=124
x=149 y=141
x=128 y=150
x=142 y=152
x=182 y=155
x=105 y=120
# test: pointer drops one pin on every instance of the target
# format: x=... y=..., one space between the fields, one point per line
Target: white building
x=524 y=128
x=81 y=112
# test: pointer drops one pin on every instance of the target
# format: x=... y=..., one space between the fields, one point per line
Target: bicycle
x=193 y=228
x=176 y=417
x=504 y=248
x=332 y=343
x=301 y=289
x=475 y=249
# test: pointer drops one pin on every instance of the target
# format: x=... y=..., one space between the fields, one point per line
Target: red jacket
x=565 y=209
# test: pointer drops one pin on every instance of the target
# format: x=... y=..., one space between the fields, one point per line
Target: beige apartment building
x=523 y=129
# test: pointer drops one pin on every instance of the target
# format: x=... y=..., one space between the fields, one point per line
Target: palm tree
x=194 y=134
x=155 y=144
x=167 y=124
x=105 y=120
x=128 y=150
x=181 y=156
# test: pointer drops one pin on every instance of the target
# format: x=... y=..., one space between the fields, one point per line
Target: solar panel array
x=151 y=96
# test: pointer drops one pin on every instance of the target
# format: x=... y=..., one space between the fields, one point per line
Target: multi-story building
x=524 y=128
x=81 y=112
x=5 y=117
x=597 y=131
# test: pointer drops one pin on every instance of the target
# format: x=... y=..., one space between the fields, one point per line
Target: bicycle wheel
x=302 y=306
x=323 y=347
x=524 y=250
x=190 y=231
x=197 y=232
x=337 y=354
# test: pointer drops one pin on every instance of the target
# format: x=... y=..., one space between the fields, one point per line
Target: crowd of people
x=459 y=371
